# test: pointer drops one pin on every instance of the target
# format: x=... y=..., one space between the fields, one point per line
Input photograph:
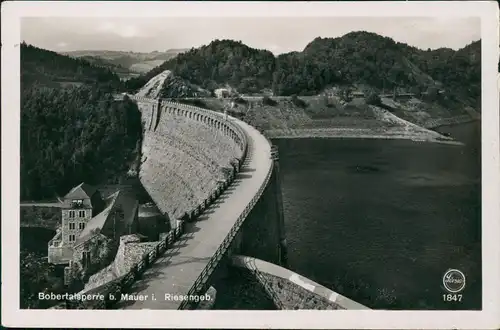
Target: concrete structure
x=310 y=289
x=221 y=225
x=223 y=196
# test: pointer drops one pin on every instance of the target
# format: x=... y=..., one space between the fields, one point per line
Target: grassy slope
x=327 y=117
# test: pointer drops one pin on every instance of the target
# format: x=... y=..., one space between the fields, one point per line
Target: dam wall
x=260 y=232
x=188 y=154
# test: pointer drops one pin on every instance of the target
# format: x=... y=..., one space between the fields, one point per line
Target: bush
x=345 y=94
x=240 y=100
x=431 y=93
x=373 y=98
x=266 y=100
x=194 y=102
x=298 y=102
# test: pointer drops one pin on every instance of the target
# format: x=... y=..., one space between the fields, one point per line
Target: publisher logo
x=454 y=280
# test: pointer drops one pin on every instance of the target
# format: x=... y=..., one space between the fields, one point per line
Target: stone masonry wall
x=186 y=154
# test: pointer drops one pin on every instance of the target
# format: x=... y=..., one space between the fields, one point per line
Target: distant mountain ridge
x=133 y=61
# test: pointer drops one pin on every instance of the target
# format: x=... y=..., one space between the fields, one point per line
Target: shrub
x=194 y=102
x=266 y=100
x=240 y=100
x=345 y=94
x=431 y=93
x=373 y=98
x=298 y=102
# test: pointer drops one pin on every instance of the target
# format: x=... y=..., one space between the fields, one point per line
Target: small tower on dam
x=283 y=250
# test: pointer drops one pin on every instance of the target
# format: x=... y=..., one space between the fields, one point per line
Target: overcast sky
x=278 y=35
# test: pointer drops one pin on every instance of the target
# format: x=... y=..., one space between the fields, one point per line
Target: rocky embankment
x=167 y=85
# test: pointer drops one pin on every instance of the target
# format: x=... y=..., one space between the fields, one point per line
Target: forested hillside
x=40 y=67
x=72 y=133
x=217 y=64
x=357 y=58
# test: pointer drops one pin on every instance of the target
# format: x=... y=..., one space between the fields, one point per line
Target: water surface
x=380 y=221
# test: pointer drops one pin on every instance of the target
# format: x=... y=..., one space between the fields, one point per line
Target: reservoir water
x=381 y=221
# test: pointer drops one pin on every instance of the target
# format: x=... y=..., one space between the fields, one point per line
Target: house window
x=72 y=238
x=81 y=225
x=72 y=226
x=71 y=214
x=81 y=213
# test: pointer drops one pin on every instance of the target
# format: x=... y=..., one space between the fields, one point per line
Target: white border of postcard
x=374 y=319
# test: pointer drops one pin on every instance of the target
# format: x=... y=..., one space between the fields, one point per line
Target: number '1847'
x=452 y=297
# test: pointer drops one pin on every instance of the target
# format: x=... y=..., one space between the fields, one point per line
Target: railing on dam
x=200 y=114
x=236 y=129
x=114 y=289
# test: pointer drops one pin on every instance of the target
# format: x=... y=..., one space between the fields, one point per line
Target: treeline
x=360 y=58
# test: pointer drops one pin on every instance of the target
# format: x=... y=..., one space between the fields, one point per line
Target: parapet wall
x=188 y=154
x=293 y=291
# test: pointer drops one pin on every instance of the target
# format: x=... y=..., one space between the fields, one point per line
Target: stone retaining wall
x=188 y=154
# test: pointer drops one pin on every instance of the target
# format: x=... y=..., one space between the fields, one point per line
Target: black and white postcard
x=250 y=165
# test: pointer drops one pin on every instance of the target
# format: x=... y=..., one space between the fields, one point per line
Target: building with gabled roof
x=91 y=227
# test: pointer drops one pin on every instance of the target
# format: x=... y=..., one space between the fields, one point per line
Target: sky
x=277 y=34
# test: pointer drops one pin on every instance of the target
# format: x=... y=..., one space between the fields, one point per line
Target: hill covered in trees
x=40 y=67
x=217 y=64
x=72 y=133
x=356 y=59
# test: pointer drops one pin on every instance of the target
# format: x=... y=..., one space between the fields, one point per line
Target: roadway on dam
x=178 y=268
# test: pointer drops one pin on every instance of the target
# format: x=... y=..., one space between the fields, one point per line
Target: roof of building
x=121 y=200
x=82 y=191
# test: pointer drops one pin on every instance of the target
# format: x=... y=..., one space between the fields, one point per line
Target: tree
x=266 y=100
x=432 y=93
x=416 y=90
x=345 y=94
x=373 y=98
x=298 y=102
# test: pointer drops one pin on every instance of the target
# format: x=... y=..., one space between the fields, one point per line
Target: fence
x=122 y=284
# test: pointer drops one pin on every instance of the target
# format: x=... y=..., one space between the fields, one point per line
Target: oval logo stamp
x=454 y=280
